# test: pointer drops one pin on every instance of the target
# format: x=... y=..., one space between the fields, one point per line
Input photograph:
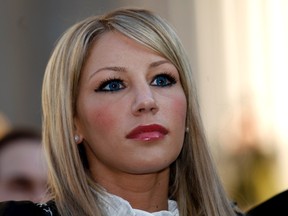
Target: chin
x=150 y=167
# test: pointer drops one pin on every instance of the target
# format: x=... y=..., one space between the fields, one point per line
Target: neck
x=148 y=192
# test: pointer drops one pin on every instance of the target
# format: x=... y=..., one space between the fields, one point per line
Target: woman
x=121 y=124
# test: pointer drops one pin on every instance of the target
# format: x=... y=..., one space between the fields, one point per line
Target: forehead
x=25 y=158
x=113 y=48
x=115 y=40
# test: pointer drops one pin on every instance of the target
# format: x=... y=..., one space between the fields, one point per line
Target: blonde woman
x=121 y=124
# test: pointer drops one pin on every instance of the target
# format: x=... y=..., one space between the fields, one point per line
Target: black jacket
x=27 y=208
x=277 y=205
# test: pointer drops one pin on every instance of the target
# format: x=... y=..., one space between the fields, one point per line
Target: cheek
x=103 y=118
x=179 y=107
x=98 y=117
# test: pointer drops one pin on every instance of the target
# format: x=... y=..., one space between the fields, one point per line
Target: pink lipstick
x=147 y=132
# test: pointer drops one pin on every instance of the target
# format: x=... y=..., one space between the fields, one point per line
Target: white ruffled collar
x=115 y=205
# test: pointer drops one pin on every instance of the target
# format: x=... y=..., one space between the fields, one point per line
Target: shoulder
x=15 y=208
x=276 y=205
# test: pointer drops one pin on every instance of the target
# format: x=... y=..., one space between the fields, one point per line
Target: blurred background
x=239 y=54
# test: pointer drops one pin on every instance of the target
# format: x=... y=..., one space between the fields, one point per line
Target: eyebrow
x=123 y=69
x=158 y=63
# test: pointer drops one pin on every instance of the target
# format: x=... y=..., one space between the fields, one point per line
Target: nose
x=144 y=102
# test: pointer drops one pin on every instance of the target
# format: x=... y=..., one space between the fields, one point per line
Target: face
x=131 y=108
x=22 y=171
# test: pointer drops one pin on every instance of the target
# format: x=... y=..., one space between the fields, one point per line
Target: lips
x=148 y=132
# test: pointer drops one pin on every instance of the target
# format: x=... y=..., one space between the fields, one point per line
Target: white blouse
x=115 y=205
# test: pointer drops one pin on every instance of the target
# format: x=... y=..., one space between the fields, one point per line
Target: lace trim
x=46 y=209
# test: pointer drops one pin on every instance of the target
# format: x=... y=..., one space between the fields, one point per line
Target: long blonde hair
x=194 y=183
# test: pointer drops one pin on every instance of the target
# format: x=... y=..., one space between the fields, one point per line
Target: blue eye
x=111 y=85
x=163 y=80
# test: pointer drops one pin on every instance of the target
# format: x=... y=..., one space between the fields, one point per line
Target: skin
x=22 y=171
x=136 y=170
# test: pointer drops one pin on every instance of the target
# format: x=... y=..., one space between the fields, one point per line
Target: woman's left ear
x=78 y=138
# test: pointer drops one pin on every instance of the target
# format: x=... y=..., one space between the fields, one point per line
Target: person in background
x=23 y=171
x=121 y=125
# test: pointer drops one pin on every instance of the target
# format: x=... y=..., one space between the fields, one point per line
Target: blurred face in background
x=23 y=172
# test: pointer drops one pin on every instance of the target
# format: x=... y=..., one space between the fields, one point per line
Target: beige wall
x=242 y=65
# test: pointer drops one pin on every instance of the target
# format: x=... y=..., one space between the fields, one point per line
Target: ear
x=78 y=137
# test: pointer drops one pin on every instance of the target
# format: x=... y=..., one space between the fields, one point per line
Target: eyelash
x=108 y=81
x=170 y=78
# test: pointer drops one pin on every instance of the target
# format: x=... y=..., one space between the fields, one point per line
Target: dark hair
x=19 y=134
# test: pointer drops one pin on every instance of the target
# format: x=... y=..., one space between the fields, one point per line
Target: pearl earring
x=76 y=138
x=187 y=129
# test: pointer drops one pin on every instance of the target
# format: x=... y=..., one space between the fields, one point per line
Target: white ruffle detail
x=117 y=206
